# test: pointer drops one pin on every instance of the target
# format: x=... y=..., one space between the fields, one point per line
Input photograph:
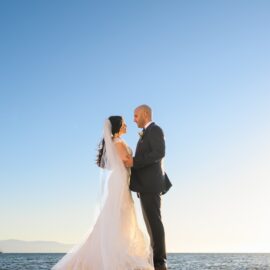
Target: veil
x=112 y=171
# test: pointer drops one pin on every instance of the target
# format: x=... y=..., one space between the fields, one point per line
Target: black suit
x=149 y=179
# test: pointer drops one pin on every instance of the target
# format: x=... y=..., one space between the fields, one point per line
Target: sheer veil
x=112 y=173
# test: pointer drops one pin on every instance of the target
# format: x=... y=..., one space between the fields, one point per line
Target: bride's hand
x=128 y=161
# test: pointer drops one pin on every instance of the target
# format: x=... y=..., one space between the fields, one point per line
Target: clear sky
x=203 y=67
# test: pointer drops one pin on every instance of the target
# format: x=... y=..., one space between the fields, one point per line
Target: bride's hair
x=116 y=123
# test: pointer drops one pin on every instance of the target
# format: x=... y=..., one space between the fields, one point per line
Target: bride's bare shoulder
x=119 y=143
x=121 y=148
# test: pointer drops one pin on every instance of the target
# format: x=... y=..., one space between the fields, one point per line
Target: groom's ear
x=145 y=113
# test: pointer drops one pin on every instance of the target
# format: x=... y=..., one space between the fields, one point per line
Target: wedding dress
x=116 y=242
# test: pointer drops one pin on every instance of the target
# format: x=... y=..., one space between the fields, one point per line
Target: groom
x=149 y=180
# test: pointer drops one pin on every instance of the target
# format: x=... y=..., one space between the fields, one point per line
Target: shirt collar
x=148 y=124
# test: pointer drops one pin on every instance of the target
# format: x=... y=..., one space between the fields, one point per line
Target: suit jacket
x=147 y=173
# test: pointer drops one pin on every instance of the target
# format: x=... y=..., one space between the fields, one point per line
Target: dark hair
x=116 y=122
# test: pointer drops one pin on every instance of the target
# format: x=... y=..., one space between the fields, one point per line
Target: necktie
x=143 y=130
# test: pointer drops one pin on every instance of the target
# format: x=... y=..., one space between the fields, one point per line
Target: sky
x=203 y=67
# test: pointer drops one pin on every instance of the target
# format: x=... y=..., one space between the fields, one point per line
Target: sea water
x=176 y=261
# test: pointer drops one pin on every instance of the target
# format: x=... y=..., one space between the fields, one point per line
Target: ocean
x=176 y=261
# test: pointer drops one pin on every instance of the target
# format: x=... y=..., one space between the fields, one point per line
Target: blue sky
x=203 y=66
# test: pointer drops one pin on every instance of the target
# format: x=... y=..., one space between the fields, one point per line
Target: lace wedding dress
x=116 y=242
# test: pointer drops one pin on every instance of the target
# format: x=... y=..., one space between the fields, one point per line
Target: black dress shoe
x=164 y=267
x=161 y=268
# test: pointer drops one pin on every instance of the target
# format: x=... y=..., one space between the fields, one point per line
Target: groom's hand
x=129 y=162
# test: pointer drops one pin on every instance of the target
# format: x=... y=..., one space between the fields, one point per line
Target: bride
x=116 y=242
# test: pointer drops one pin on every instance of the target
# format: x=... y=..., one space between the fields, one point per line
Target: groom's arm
x=157 y=150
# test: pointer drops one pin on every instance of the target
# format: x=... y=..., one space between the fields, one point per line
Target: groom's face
x=139 y=118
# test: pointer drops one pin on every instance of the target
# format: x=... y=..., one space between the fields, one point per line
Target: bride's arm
x=122 y=151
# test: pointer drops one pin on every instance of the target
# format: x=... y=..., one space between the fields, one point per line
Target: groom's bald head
x=142 y=115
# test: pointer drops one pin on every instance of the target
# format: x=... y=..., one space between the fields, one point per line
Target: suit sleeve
x=156 y=152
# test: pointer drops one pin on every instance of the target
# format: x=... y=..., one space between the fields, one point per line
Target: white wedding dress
x=116 y=242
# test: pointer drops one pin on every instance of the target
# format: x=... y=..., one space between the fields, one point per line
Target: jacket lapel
x=148 y=128
x=144 y=134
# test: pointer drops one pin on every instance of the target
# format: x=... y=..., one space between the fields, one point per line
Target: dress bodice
x=129 y=150
x=116 y=140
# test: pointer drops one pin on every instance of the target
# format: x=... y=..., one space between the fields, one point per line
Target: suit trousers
x=151 y=209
